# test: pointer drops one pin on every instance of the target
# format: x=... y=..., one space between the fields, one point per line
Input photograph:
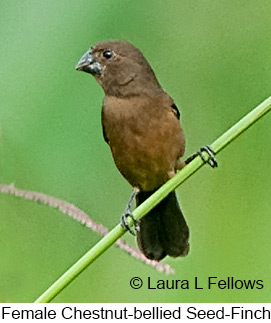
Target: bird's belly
x=145 y=160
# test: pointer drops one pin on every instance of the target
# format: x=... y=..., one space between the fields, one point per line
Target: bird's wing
x=104 y=132
x=176 y=110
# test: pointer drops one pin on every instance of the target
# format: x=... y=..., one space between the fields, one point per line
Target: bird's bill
x=89 y=64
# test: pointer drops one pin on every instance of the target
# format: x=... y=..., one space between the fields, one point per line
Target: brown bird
x=141 y=124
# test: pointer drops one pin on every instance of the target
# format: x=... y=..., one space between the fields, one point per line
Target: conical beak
x=89 y=64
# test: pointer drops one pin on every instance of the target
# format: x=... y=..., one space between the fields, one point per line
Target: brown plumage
x=142 y=127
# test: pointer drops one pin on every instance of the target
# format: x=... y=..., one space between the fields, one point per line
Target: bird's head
x=120 y=68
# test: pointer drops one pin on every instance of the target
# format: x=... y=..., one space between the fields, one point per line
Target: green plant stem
x=152 y=201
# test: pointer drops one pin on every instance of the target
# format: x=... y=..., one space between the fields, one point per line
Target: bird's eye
x=107 y=54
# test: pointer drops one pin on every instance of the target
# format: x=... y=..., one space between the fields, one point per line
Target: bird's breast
x=145 y=138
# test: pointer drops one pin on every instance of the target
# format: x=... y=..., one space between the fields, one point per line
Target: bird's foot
x=128 y=214
x=124 y=222
x=210 y=159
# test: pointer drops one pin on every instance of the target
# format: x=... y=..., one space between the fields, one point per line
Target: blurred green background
x=213 y=57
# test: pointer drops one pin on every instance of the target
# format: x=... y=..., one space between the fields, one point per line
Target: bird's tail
x=163 y=231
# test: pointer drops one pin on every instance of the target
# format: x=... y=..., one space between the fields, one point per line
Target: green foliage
x=214 y=58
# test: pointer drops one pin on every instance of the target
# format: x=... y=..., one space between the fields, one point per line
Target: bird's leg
x=210 y=159
x=128 y=213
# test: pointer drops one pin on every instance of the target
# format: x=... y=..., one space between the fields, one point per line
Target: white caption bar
x=136 y=312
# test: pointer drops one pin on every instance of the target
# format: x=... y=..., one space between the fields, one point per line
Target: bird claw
x=128 y=213
x=211 y=160
x=124 y=223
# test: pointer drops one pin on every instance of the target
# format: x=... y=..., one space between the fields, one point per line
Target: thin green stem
x=152 y=201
